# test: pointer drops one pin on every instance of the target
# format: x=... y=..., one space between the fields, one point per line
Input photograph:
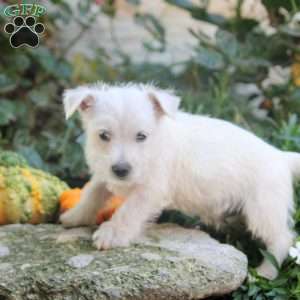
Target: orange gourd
x=69 y=199
x=109 y=209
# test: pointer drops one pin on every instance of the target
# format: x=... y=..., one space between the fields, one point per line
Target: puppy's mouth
x=119 y=187
x=121 y=181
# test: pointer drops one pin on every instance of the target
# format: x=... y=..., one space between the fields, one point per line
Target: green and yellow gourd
x=27 y=195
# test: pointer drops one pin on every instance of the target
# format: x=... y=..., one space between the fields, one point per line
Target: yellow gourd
x=27 y=195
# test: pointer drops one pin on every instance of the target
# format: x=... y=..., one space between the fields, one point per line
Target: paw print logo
x=24 y=32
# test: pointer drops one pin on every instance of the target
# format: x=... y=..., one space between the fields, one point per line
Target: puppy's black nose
x=121 y=170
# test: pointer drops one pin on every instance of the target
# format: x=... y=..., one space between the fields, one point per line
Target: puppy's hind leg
x=92 y=198
x=268 y=218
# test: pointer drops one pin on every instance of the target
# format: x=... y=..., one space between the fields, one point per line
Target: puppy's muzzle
x=121 y=170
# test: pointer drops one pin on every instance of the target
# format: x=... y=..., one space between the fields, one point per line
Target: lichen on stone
x=80 y=261
x=4 y=251
x=38 y=267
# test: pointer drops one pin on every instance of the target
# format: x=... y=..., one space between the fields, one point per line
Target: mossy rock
x=169 y=262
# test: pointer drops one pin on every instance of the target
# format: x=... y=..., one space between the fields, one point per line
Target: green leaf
x=253 y=290
x=271 y=258
x=280 y=291
x=198 y=12
x=274 y=5
x=185 y=4
x=64 y=12
x=6 y=84
x=253 y=62
x=40 y=97
x=63 y=70
x=242 y=26
x=32 y=156
x=271 y=293
x=20 y=62
x=211 y=18
x=227 y=43
x=45 y=58
x=109 y=8
x=156 y=30
x=280 y=281
x=8 y=111
x=72 y=158
x=134 y=2
x=151 y=23
x=237 y=296
x=293 y=33
x=84 y=6
x=209 y=58
x=245 y=297
x=81 y=140
x=295 y=95
x=280 y=297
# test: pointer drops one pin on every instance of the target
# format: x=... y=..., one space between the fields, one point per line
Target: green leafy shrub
x=31 y=84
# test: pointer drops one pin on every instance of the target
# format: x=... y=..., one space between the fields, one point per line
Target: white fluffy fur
x=199 y=165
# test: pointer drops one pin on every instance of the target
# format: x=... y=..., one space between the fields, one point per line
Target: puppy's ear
x=81 y=99
x=164 y=102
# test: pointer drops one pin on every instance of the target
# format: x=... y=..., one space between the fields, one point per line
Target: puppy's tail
x=294 y=163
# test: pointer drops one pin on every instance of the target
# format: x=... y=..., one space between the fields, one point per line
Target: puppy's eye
x=140 y=137
x=105 y=136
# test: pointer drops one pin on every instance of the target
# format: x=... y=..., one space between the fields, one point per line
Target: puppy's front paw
x=110 y=236
x=73 y=218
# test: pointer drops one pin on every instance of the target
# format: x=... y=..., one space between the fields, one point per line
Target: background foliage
x=248 y=74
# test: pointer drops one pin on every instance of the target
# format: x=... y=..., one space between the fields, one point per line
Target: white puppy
x=140 y=146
